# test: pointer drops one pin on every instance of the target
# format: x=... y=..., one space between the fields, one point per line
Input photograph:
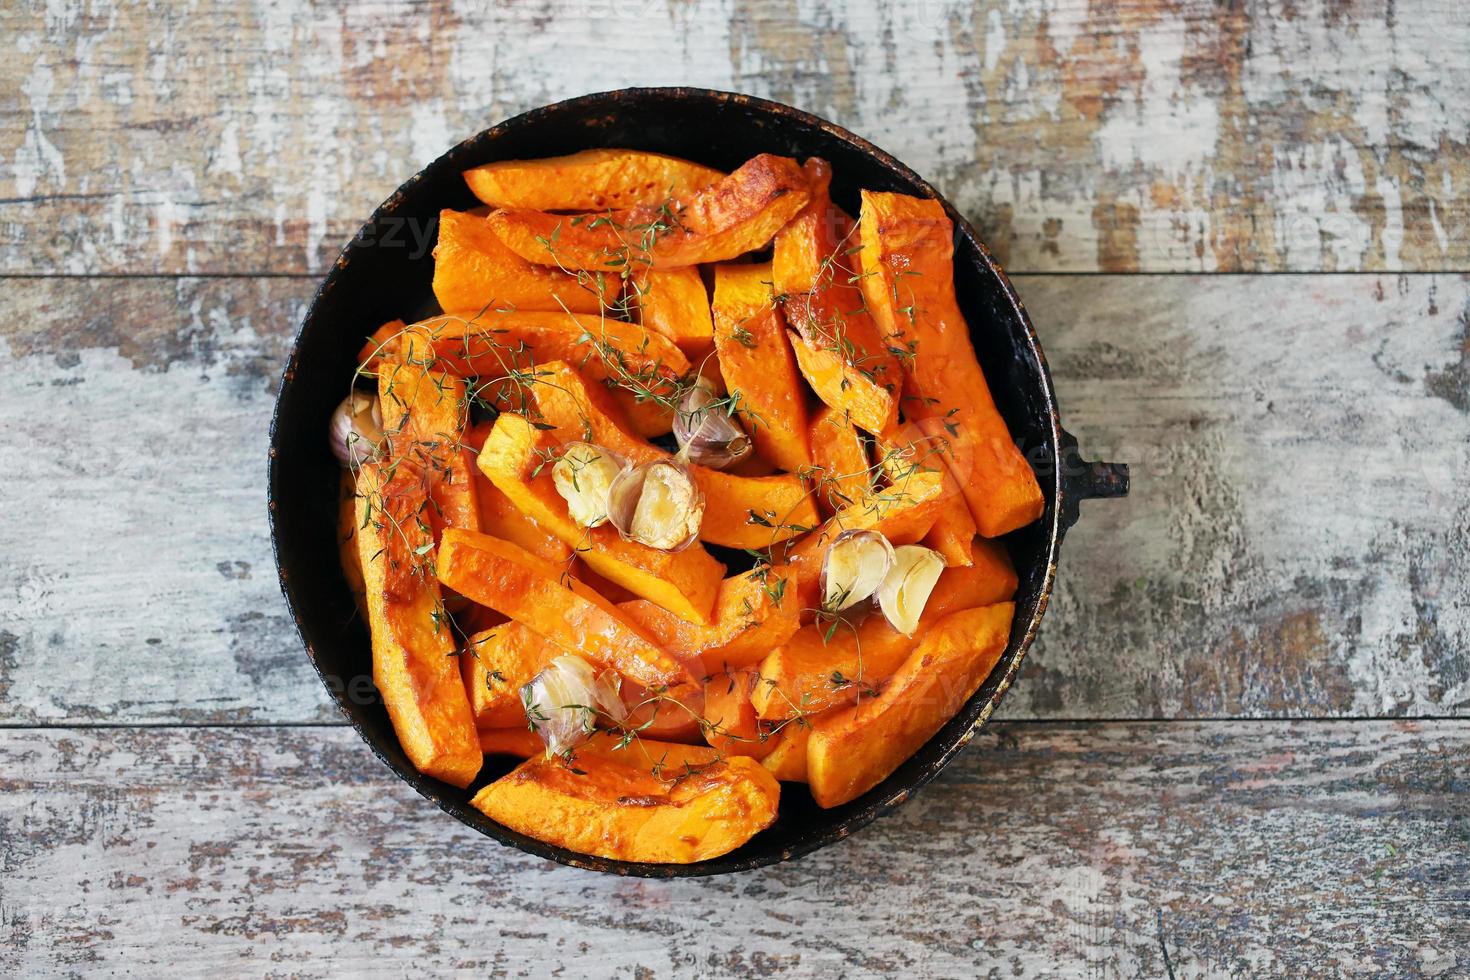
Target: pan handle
x=1086 y=480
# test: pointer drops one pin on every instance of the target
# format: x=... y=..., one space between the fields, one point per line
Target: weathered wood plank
x=1295 y=542
x=1294 y=545
x=1193 y=135
x=1241 y=849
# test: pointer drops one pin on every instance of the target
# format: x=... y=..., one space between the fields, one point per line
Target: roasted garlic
x=854 y=567
x=706 y=433
x=584 y=475
x=356 y=428
x=906 y=587
x=657 y=504
x=563 y=701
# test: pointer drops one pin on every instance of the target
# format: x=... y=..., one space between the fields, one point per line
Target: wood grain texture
x=1240 y=849
x=1140 y=135
x=1294 y=545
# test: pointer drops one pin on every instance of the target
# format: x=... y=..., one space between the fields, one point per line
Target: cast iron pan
x=385 y=272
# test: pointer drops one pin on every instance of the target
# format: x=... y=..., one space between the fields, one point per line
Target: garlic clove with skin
x=907 y=586
x=855 y=565
x=584 y=475
x=563 y=701
x=706 y=433
x=657 y=504
x=356 y=429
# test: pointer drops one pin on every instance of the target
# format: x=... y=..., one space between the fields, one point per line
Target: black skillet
x=385 y=272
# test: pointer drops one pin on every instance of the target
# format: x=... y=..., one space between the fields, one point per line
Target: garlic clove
x=584 y=475
x=906 y=588
x=706 y=433
x=563 y=701
x=356 y=429
x=855 y=565
x=657 y=504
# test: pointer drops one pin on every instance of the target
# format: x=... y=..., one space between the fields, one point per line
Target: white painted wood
x=229 y=138
x=1241 y=849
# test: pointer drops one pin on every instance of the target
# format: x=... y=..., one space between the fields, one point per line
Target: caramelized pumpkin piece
x=592 y=180
x=737 y=214
x=518 y=458
x=668 y=760
x=424 y=414
x=844 y=476
x=739 y=511
x=381 y=341
x=733 y=727
x=675 y=304
x=347 y=541
x=838 y=347
x=925 y=443
x=756 y=362
x=856 y=748
x=814 y=671
x=617 y=811
x=496 y=663
x=503 y=350
x=533 y=591
x=787 y=759
x=473 y=270
x=908 y=279
x=502 y=519
x=752 y=617
x=413 y=663
x=665 y=716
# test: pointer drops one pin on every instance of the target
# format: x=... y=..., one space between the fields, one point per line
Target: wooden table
x=1242 y=746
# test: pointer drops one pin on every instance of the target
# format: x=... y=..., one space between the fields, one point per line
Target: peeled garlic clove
x=356 y=429
x=906 y=588
x=706 y=433
x=584 y=476
x=563 y=701
x=657 y=504
x=855 y=566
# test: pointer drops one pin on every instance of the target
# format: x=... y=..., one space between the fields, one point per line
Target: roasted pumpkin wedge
x=618 y=811
x=667 y=760
x=787 y=758
x=731 y=724
x=413 y=649
x=347 y=540
x=953 y=533
x=843 y=475
x=473 y=270
x=502 y=519
x=908 y=280
x=675 y=303
x=592 y=180
x=925 y=443
x=752 y=617
x=503 y=350
x=518 y=458
x=737 y=214
x=852 y=750
x=819 y=667
x=533 y=591
x=380 y=343
x=757 y=364
x=666 y=717
x=739 y=511
x=495 y=664
x=838 y=347
x=424 y=415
